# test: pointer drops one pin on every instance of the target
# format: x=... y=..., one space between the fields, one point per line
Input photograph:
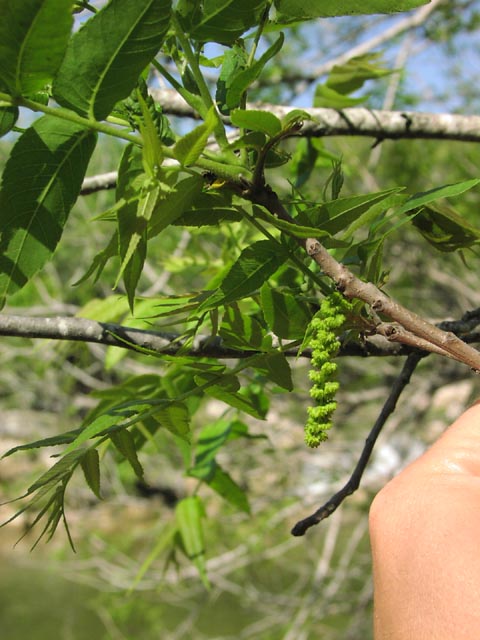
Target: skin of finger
x=425 y=537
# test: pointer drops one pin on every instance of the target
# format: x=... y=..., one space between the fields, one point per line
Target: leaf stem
x=200 y=80
x=71 y=116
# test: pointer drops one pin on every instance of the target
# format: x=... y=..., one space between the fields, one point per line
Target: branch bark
x=355 y=121
x=415 y=329
x=76 y=329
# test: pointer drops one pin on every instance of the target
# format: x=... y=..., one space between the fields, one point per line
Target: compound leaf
x=40 y=184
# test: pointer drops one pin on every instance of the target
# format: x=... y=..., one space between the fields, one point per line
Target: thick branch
x=381 y=304
x=356 y=121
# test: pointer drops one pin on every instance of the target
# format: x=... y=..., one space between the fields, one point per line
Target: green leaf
x=63 y=438
x=33 y=38
x=254 y=120
x=152 y=147
x=223 y=21
x=275 y=367
x=59 y=471
x=296 y=10
x=94 y=428
x=243 y=79
x=214 y=436
x=254 y=266
x=40 y=184
x=235 y=60
x=125 y=443
x=329 y=98
x=225 y=389
x=223 y=484
x=189 y=148
x=175 y=417
x=133 y=219
x=242 y=331
x=353 y=74
x=175 y=204
x=294 y=229
x=106 y=56
x=446 y=191
x=444 y=228
x=286 y=316
x=189 y=514
x=8 y=118
x=338 y=215
x=91 y=469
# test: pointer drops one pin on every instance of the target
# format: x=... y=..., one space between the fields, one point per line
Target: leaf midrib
x=40 y=202
x=107 y=68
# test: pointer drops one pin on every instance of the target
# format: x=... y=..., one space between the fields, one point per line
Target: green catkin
x=325 y=327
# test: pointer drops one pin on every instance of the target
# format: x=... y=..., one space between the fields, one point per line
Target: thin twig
x=353 y=483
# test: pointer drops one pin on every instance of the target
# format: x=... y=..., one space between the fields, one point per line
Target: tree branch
x=76 y=329
x=381 y=304
x=355 y=121
x=353 y=483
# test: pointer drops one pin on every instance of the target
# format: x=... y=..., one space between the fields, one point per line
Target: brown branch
x=353 y=287
x=353 y=483
x=380 y=303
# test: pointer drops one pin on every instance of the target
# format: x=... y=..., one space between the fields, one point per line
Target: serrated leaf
x=297 y=10
x=224 y=389
x=327 y=97
x=224 y=21
x=225 y=486
x=444 y=228
x=33 y=38
x=53 y=441
x=175 y=417
x=90 y=463
x=40 y=184
x=222 y=483
x=254 y=266
x=241 y=331
x=189 y=514
x=152 y=147
x=94 y=428
x=285 y=315
x=446 y=191
x=106 y=56
x=338 y=215
x=262 y=121
x=59 y=470
x=243 y=79
x=294 y=229
x=189 y=148
x=353 y=74
x=124 y=442
x=212 y=438
x=275 y=367
x=133 y=219
x=175 y=204
x=235 y=60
